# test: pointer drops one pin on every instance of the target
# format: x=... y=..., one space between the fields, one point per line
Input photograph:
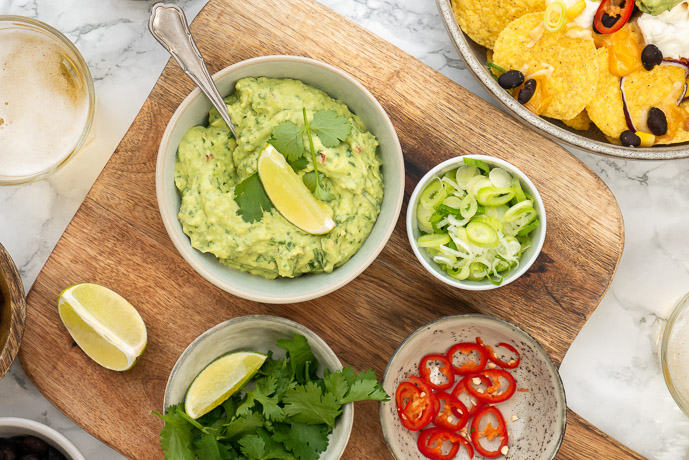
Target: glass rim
x=79 y=61
x=680 y=306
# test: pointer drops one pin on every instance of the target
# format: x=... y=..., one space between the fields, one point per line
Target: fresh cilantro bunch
x=288 y=138
x=288 y=414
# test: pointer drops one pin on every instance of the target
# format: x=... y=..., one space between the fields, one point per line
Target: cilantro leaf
x=301 y=358
x=308 y=404
x=208 y=448
x=265 y=387
x=322 y=194
x=299 y=164
x=365 y=389
x=306 y=442
x=330 y=128
x=252 y=199
x=288 y=139
x=243 y=425
x=336 y=384
x=176 y=435
x=253 y=446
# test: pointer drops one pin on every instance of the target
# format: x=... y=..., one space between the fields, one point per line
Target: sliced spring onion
x=423 y=216
x=453 y=202
x=433 y=194
x=526 y=230
x=494 y=223
x=477 y=183
x=519 y=194
x=468 y=207
x=500 y=178
x=483 y=166
x=494 y=196
x=555 y=16
x=464 y=175
x=434 y=240
x=482 y=235
x=516 y=211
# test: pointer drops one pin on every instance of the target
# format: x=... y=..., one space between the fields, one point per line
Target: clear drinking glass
x=674 y=353
x=47 y=100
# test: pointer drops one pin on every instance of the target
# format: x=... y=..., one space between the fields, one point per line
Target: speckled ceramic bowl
x=537 y=235
x=474 y=56
x=542 y=411
x=256 y=333
x=14 y=426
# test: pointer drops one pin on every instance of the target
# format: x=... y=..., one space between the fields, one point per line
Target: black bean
x=35 y=445
x=657 y=122
x=609 y=21
x=630 y=139
x=651 y=56
x=527 y=91
x=511 y=79
x=31 y=457
x=53 y=454
x=8 y=454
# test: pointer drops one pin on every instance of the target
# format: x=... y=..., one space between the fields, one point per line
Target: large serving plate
x=117 y=239
x=474 y=56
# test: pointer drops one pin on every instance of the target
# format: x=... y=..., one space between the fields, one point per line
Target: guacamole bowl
x=338 y=85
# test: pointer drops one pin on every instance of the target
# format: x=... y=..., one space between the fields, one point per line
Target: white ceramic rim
x=528 y=337
x=543 y=126
x=347 y=416
x=185 y=249
x=48 y=434
x=524 y=265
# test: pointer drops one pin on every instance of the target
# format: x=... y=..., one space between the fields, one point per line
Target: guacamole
x=210 y=163
x=656 y=7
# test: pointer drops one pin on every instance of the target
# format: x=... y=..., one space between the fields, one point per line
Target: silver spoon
x=169 y=26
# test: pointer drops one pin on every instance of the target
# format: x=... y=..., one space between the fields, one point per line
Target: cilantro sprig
x=288 y=138
x=284 y=412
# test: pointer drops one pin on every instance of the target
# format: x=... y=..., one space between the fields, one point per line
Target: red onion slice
x=677 y=63
x=627 y=116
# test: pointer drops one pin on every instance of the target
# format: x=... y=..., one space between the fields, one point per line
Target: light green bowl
x=193 y=111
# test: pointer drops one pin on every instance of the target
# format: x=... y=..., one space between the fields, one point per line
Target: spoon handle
x=168 y=25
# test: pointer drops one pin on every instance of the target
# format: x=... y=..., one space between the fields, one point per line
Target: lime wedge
x=220 y=380
x=290 y=196
x=104 y=325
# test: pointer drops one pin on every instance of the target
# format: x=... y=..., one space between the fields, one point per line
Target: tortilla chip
x=606 y=109
x=483 y=20
x=582 y=122
x=573 y=82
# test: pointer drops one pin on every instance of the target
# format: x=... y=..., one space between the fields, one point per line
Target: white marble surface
x=611 y=373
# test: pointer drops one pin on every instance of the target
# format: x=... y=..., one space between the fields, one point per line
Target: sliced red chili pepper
x=472 y=404
x=430 y=443
x=489 y=432
x=612 y=15
x=493 y=357
x=416 y=403
x=431 y=373
x=491 y=378
x=466 y=348
x=453 y=414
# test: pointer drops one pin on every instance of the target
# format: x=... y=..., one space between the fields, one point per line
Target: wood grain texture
x=12 y=311
x=117 y=238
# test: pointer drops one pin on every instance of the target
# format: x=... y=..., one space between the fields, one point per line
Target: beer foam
x=44 y=103
x=678 y=354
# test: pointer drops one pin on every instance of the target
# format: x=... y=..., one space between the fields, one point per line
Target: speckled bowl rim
x=554 y=132
x=484 y=285
x=48 y=434
x=187 y=251
x=469 y=316
x=347 y=416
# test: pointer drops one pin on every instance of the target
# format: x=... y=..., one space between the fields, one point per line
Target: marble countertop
x=611 y=373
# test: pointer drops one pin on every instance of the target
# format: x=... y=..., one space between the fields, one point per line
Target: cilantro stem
x=307 y=127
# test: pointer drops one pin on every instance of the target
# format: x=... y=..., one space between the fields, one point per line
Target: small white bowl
x=527 y=259
x=256 y=333
x=14 y=426
x=193 y=111
x=542 y=411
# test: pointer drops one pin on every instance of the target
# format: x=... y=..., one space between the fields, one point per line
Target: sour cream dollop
x=668 y=31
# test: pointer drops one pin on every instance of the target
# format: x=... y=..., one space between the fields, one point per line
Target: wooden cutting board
x=117 y=239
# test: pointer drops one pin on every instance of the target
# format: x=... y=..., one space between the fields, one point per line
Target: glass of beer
x=674 y=353
x=47 y=100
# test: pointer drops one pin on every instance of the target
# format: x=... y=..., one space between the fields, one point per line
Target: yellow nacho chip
x=582 y=122
x=575 y=67
x=483 y=20
x=606 y=109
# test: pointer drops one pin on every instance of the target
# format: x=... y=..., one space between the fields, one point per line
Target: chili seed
x=657 y=122
x=651 y=56
x=527 y=91
x=630 y=139
x=609 y=21
x=511 y=79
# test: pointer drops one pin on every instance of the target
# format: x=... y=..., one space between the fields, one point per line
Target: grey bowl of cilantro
x=261 y=387
x=302 y=201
